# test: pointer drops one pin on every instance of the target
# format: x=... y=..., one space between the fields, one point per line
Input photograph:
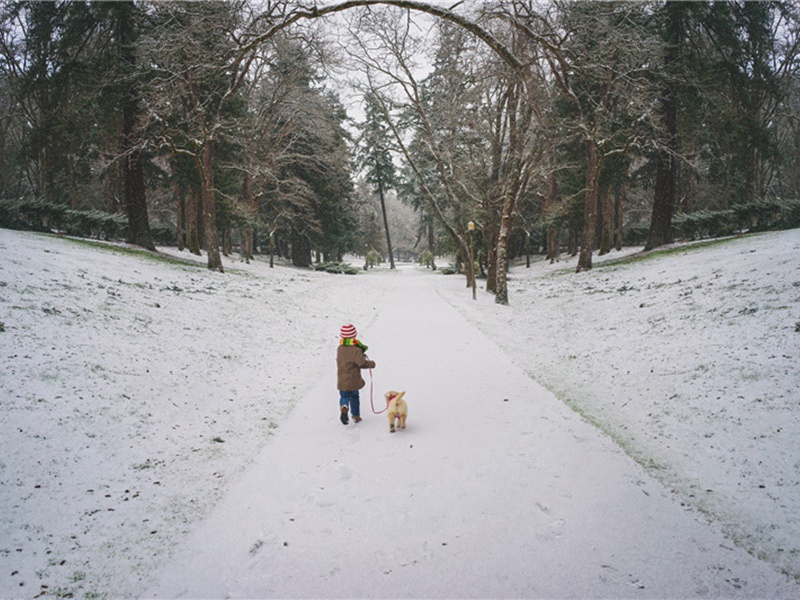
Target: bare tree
x=473 y=120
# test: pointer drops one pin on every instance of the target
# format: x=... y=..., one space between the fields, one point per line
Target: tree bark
x=301 y=249
x=138 y=220
x=431 y=242
x=502 y=260
x=666 y=165
x=193 y=220
x=386 y=224
x=491 y=238
x=246 y=249
x=607 y=214
x=663 y=202
x=551 y=236
x=572 y=245
x=209 y=206
x=590 y=208
x=620 y=195
x=180 y=208
x=134 y=190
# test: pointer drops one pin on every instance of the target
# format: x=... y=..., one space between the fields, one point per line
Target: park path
x=495 y=490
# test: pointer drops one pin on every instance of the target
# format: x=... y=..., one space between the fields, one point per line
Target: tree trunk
x=73 y=185
x=431 y=242
x=491 y=242
x=246 y=248
x=553 y=245
x=572 y=245
x=138 y=220
x=386 y=224
x=620 y=195
x=501 y=295
x=193 y=220
x=134 y=190
x=527 y=249
x=271 y=249
x=301 y=253
x=180 y=206
x=589 y=209
x=663 y=202
x=209 y=207
x=686 y=189
x=301 y=250
x=666 y=165
x=551 y=236
x=226 y=242
x=607 y=214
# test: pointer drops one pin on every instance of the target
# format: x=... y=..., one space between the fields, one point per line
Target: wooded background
x=556 y=127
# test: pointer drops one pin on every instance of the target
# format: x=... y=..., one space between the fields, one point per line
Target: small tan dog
x=397 y=409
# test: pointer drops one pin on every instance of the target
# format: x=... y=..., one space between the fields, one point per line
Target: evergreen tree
x=312 y=183
x=375 y=158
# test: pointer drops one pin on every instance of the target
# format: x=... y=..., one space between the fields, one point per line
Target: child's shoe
x=343 y=416
x=357 y=419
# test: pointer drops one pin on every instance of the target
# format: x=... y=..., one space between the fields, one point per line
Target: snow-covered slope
x=690 y=360
x=141 y=399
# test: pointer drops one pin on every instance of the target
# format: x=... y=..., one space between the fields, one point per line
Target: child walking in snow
x=351 y=357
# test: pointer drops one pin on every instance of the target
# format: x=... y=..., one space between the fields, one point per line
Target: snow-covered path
x=496 y=489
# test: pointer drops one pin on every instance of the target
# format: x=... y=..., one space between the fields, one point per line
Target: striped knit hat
x=348 y=331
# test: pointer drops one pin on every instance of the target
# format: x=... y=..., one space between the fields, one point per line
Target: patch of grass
x=661 y=252
x=138 y=252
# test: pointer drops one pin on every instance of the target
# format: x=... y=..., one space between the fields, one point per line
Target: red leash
x=371 y=402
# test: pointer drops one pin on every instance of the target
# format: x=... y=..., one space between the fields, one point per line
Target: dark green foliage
x=765 y=215
x=40 y=215
x=164 y=236
x=337 y=268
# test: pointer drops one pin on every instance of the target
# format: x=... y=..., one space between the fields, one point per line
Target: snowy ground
x=168 y=431
x=691 y=362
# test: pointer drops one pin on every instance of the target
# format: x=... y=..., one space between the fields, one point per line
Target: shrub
x=372 y=258
x=426 y=259
x=764 y=215
x=38 y=215
x=336 y=268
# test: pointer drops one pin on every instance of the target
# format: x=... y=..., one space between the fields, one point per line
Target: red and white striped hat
x=348 y=331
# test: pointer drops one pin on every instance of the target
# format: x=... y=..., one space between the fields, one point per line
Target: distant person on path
x=351 y=357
